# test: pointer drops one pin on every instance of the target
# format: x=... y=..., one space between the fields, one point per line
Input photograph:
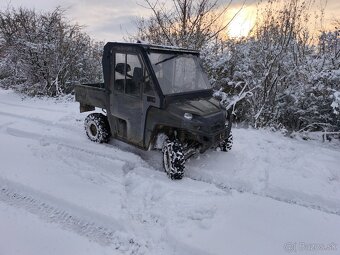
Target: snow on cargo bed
x=267 y=195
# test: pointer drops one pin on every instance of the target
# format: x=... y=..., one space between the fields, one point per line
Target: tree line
x=282 y=75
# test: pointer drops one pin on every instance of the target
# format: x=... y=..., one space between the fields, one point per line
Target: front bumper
x=207 y=140
x=208 y=131
x=212 y=140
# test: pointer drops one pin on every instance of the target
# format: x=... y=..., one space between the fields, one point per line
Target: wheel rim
x=93 y=130
x=166 y=161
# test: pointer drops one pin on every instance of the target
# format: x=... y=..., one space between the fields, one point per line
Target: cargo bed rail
x=90 y=96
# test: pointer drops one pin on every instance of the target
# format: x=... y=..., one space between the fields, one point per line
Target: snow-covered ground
x=62 y=194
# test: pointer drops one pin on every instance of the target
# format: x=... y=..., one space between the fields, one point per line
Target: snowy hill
x=62 y=194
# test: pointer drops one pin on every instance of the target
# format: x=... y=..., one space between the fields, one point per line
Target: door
x=126 y=97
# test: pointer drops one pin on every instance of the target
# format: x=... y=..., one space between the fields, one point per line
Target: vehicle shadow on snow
x=153 y=158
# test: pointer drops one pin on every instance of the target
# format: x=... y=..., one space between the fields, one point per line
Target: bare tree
x=185 y=23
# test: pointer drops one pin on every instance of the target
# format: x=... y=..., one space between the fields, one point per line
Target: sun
x=242 y=23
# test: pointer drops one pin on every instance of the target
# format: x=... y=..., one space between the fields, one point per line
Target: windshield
x=178 y=73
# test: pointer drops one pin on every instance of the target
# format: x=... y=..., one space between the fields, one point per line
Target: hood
x=199 y=107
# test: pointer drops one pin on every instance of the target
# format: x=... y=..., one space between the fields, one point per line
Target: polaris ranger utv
x=155 y=97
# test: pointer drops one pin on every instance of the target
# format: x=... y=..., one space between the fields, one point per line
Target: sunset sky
x=111 y=20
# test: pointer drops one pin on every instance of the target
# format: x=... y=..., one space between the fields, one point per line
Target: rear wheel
x=173 y=159
x=97 y=128
x=227 y=143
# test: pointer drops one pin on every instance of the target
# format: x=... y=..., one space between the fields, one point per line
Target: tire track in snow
x=6 y=124
x=66 y=143
x=228 y=188
x=95 y=227
x=128 y=166
x=41 y=121
x=31 y=107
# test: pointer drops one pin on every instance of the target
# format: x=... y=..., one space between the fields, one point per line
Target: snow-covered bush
x=289 y=82
x=43 y=54
x=336 y=102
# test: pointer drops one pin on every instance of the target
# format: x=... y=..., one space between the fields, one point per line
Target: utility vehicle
x=155 y=97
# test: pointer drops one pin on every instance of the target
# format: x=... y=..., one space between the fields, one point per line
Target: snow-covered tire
x=227 y=144
x=173 y=159
x=97 y=128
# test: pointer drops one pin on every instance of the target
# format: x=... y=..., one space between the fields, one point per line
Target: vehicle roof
x=154 y=47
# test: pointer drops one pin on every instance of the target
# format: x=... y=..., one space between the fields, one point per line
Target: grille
x=216 y=127
x=219 y=137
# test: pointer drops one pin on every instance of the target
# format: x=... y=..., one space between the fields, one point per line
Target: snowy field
x=62 y=194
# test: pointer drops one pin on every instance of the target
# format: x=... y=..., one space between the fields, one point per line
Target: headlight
x=227 y=123
x=188 y=116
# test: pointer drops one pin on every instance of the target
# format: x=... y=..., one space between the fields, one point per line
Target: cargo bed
x=90 y=96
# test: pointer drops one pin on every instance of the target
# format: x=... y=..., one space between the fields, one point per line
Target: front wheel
x=173 y=159
x=227 y=143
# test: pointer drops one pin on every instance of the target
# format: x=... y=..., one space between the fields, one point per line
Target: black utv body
x=155 y=97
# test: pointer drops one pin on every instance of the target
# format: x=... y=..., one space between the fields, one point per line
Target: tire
x=97 y=128
x=173 y=159
x=227 y=144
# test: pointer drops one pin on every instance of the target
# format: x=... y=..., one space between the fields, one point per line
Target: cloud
x=113 y=29
x=111 y=20
x=107 y=20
